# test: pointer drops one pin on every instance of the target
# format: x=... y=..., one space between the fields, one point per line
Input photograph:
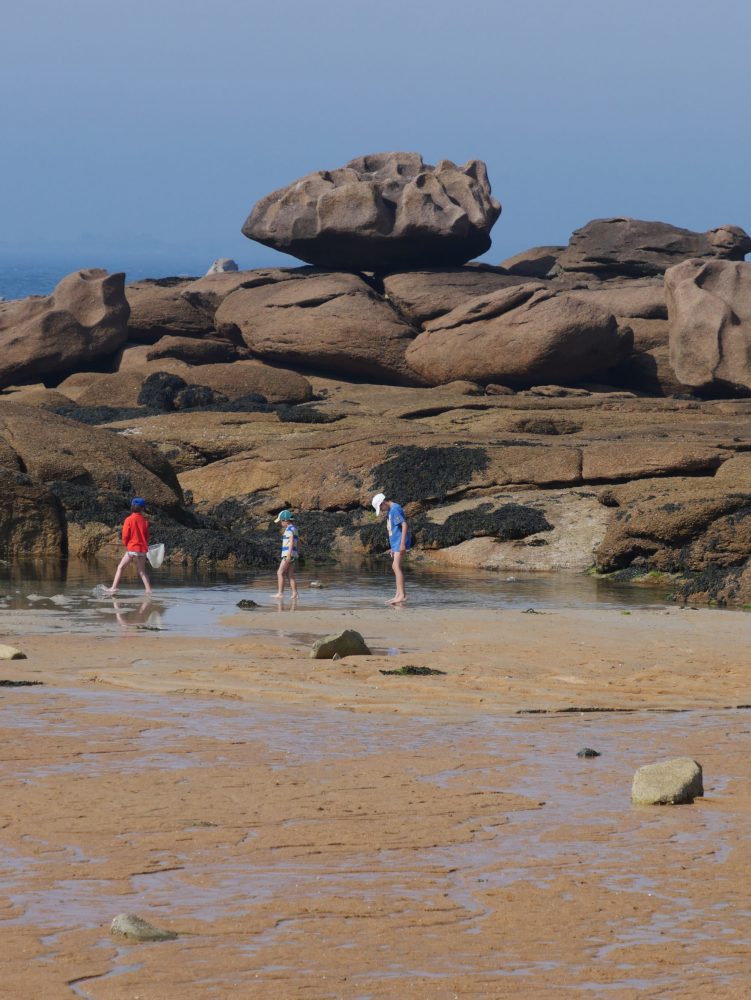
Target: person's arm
x=126 y=532
x=403 y=542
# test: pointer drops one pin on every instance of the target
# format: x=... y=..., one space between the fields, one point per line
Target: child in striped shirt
x=290 y=551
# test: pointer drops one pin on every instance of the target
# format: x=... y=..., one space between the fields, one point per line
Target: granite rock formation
x=709 y=313
x=380 y=212
x=328 y=322
x=633 y=248
x=520 y=336
x=81 y=323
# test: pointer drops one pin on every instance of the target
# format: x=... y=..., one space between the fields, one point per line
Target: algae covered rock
x=11 y=653
x=346 y=643
x=669 y=782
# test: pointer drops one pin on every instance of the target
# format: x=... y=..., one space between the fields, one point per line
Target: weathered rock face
x=31 y=521
x=709 y=309
x=328 y=322
x=380 y=212
x=641 y=305
x=206 y=294
x=157 y=309
x=51 y=449
x=520 y=336
x=223 y=264
x=83 y=321
x=634 y=248
x=422 y=295
x=239 y=378
x=537 y=262
x=194 y=351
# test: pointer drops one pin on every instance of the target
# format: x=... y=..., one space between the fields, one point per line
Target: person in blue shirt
x=290 y=552
x=399 y=540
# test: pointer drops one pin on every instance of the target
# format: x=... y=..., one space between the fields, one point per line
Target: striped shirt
x=290 y=542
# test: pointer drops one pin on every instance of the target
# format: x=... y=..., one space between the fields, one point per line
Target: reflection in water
x=149 y=613
x=195 y=604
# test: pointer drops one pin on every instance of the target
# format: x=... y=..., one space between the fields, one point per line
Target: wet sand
x=317 y=829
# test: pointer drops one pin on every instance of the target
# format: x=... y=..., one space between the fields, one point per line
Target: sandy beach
x=321 y=829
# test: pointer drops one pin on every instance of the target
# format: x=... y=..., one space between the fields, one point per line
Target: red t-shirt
x=136 y=533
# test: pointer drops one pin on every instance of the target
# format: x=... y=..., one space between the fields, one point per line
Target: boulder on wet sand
x=671 y=782
x=11 y=653
x=634 y=248
x=81 y=323
x=135 y=928
x=346 y=643
x=328 y=322
x=525 y=335
x=422 y=295
x=380 y=212
x=709 y=315
x=157 y=309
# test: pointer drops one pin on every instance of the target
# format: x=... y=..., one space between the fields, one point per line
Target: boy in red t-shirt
x=136 y=542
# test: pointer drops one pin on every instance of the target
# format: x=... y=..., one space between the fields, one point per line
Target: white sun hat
x=377 y=501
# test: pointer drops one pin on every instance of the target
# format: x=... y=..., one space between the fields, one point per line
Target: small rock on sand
x=346 y=643
x=247 y=605
x=11 y=653
x=131 y=926
x=588 y=752
x=669 y=782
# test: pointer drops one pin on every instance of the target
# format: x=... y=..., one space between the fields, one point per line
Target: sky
x=149 y=128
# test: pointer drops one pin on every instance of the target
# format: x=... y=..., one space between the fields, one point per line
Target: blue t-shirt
x=290 y=542
x=394 y=524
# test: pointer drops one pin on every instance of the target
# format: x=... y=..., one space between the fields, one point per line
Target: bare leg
x=396 y=564
x=292 y=580
x=141 y=564
x=118 y=574
x=281 y=577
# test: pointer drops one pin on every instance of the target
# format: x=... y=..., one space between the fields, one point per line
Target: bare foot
x=109 y=590
x=277 y=597
x=397 y=600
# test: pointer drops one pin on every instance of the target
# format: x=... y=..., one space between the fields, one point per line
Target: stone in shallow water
x=669 y=782
x=346 y=643
x=131 y=926
x=588 y=752
x=247 y=605
x=11 y=653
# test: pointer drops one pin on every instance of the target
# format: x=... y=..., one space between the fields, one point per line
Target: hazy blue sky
x=152 y=127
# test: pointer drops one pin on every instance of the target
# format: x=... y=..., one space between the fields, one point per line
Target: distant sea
x=27 y=273
x=19 y=277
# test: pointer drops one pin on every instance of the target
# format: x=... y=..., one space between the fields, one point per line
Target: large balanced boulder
x=526 y=335
x=328 y=323
x=670 y=782
x=46 y=337
x=633 y=248
x=709 y=314
x=380 y=212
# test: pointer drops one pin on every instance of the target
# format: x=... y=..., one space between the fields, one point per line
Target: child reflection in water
x=147 y=613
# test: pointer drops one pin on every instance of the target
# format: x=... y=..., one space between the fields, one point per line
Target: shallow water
x=193 y=604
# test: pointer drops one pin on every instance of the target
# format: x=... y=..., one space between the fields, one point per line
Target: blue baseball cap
x=138 y=502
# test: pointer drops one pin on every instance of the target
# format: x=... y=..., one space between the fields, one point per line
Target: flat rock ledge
x=346 y=643
x=670 y=782
x=135 y=928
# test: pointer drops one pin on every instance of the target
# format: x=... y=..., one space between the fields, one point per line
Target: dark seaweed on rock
x=507 y=523
x=413 y=473
x=159 y=390
x=305 y=414
x=103 y=414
